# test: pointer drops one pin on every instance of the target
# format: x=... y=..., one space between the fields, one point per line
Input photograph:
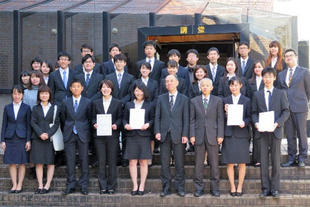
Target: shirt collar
x=91 y=72
x=152 y=59
x=259 y=77
x=230 y=76
x=62 y=70
x=48 y=105
x=109 y=100
x=78 y=99
x=246 y=59
x=117 y=72
x=208 y=97
x=145 y=79
x=271 y=90
x=236 y=97
x=17 y=104
x=294 y=68
x=174 y=95
x=211 y=65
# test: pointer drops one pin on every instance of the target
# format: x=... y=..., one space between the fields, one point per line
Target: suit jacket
x=253 y=87
x=236 y=131
x=92 y=90
x=57 y=87
x=156 y=70
x=40 y=124
x=176 y=121
x=208 y=124
x=190 y=73
x=81 y=119
x=122 y=93
x=79 y=68
x=148 y=118
x=116 y=111
x=21 y=126
x=181 y=87
x=219 y=74
x=108 y=67
x=182 y=73
x=298 y=92
x=279 y=104
x=152 y=87
x=248 y=68
x=194 y=90
x=224 y=91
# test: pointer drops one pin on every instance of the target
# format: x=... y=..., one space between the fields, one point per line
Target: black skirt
x=235 y=150
x=42 y=152
x=15 y=151
x=138 y=147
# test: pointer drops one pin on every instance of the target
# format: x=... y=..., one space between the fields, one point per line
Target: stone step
x=150 y=200
x=251 y=186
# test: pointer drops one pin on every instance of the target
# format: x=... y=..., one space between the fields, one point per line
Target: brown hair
x=198 y=67
x=107 y=83
x=38 y=74
x=253 y=78
x=44 y=88
x=278 y=66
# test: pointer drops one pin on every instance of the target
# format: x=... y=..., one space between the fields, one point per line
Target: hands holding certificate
x=234 y=114
x=143 y=128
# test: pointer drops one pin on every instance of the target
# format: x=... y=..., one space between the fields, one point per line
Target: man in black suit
x=87 y=50
x=296 y=81
x=245 y=63
x=206 y=133
x=215 y=71
x=270 y=99
x=171 y=129
x=60 y=80
x=76 y=116
x=192 y=58
x=108 y=67
x=156 y=65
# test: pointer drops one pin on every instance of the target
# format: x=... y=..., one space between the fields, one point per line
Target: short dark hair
x=147 y=65
x=194 y=51
x=198 y=67
x=172 y=64
x=120 y=57
x=235 y=79
x=234 y=61
x=75 y=80
x=269 y=70
x=86 y=46
x=213 y=49
x=107 y=83
x=143 y=88
x=35 y=59
x=290 y=50
x=244 y=43
x=86 y=57
x=114 y=45
x=63 y=54
x=149 y=43
x=49 y=65
x=41 y=89
x=18 y=88
x=174 y=52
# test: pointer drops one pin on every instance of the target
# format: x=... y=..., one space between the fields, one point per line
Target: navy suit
x=224 y=91
x=108 y=67
x=156 y=70
x=152 y=87
x=219 y=74
x=193 y=90
x=79 y=68
x=92 y=90
x=182 y=88
x=248 y=68
x=182 y=73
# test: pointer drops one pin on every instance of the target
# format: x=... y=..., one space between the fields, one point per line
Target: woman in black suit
x=15 y=137
x=235 y=149
x=139 y=140
x=200 y=72
x=256 y=83
x=231 y=71
x=107 y=146
x=42 y=148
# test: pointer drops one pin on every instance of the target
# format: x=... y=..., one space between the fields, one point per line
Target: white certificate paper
x=266 y=121
x=136 y=119
x=104 y=123
x=234 y=114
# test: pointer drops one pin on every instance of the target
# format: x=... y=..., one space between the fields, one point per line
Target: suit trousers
x=70 y=149
x=213 y=159
x=270 y=144
x=296 y=126
x=107 y=149
x=165 y=155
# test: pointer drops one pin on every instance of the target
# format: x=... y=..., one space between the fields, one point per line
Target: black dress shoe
x=103 y=191
x=215 y=193
x=233 y=194
x=125 y=163
x=140 y=193
x=164 y=193
x=38 y=191
x=45 y=191
x=275 y=193
x=301 y=164
x=134 y=192
x=84 y=191
x=239 y=194
x=111 y=191
x=198 y=193
x=264 y=194
x=181 y=193
x=12 y=191
x=68 y=191
x=19 y=191
x=288 y=164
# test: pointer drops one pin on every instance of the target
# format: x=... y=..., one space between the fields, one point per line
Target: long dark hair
x=262 y=62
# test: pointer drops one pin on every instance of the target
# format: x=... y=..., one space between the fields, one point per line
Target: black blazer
x=156 y=70
x=92 y=90
x=248 y=68
x=182 y=73
x=175 y=121
x=116 y=111
x=79 y=68
x=219 y=74
x=21 y=126
x=148 y=118
x=224 y=91
x=279 y=104
x=57 y=87
x=122 y=93
x=236 y=131
x=194 y=90
x=108 y=67
x=181 y=87
x=81 y=119
x=253 y=87
x=152 y=87
x=40 y=124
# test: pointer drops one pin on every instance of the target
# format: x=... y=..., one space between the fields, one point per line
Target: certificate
x=136 y=119
x=235 y=114
x=266 y=121
x=104 y=123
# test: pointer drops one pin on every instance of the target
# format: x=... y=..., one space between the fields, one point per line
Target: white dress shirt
x=85 y=73
x=62 y=73
x=215 y=69
x=16 y=107
x=138 y=105
x=274 y=62
x=78 y=100
x=46 y=108
x=152 y=61
x=208 y=98
x=230 y=76
x=267 y=96
x=145 y=81
x=106 y=103
x=235 y=99
x=174 y=96
x=258 y=82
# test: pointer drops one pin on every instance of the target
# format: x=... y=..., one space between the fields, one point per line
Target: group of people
x=184 y=106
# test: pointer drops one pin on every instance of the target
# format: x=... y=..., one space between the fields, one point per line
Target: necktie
x=119 y=79
x=290 y=77
x=87 y=78
x=171 y=102
x=75 y=106
x=269 y=99
x=213 y=73
x=64 y=78
x=243 y=66
x=205 y=103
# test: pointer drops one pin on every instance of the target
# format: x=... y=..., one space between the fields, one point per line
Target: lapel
x=70 y=106
x=42 y=112
x=110 y=106
x=123 y=79
x=261 y=86
x=282 y=77
x=273 y=97
x=111 y=65
x=80 y=105
x=295 y=75
x=11 y=110
x=154 y=66
x=262 y=94
x=101 y=107
x=115 y=83
x=91 y=80
x=176 y=102
x=60 y=79
x=70 y=77
x=21 y=108
x=210 y=104
x=200 y=104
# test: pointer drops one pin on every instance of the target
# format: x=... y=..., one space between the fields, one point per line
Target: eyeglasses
x=291 y=55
